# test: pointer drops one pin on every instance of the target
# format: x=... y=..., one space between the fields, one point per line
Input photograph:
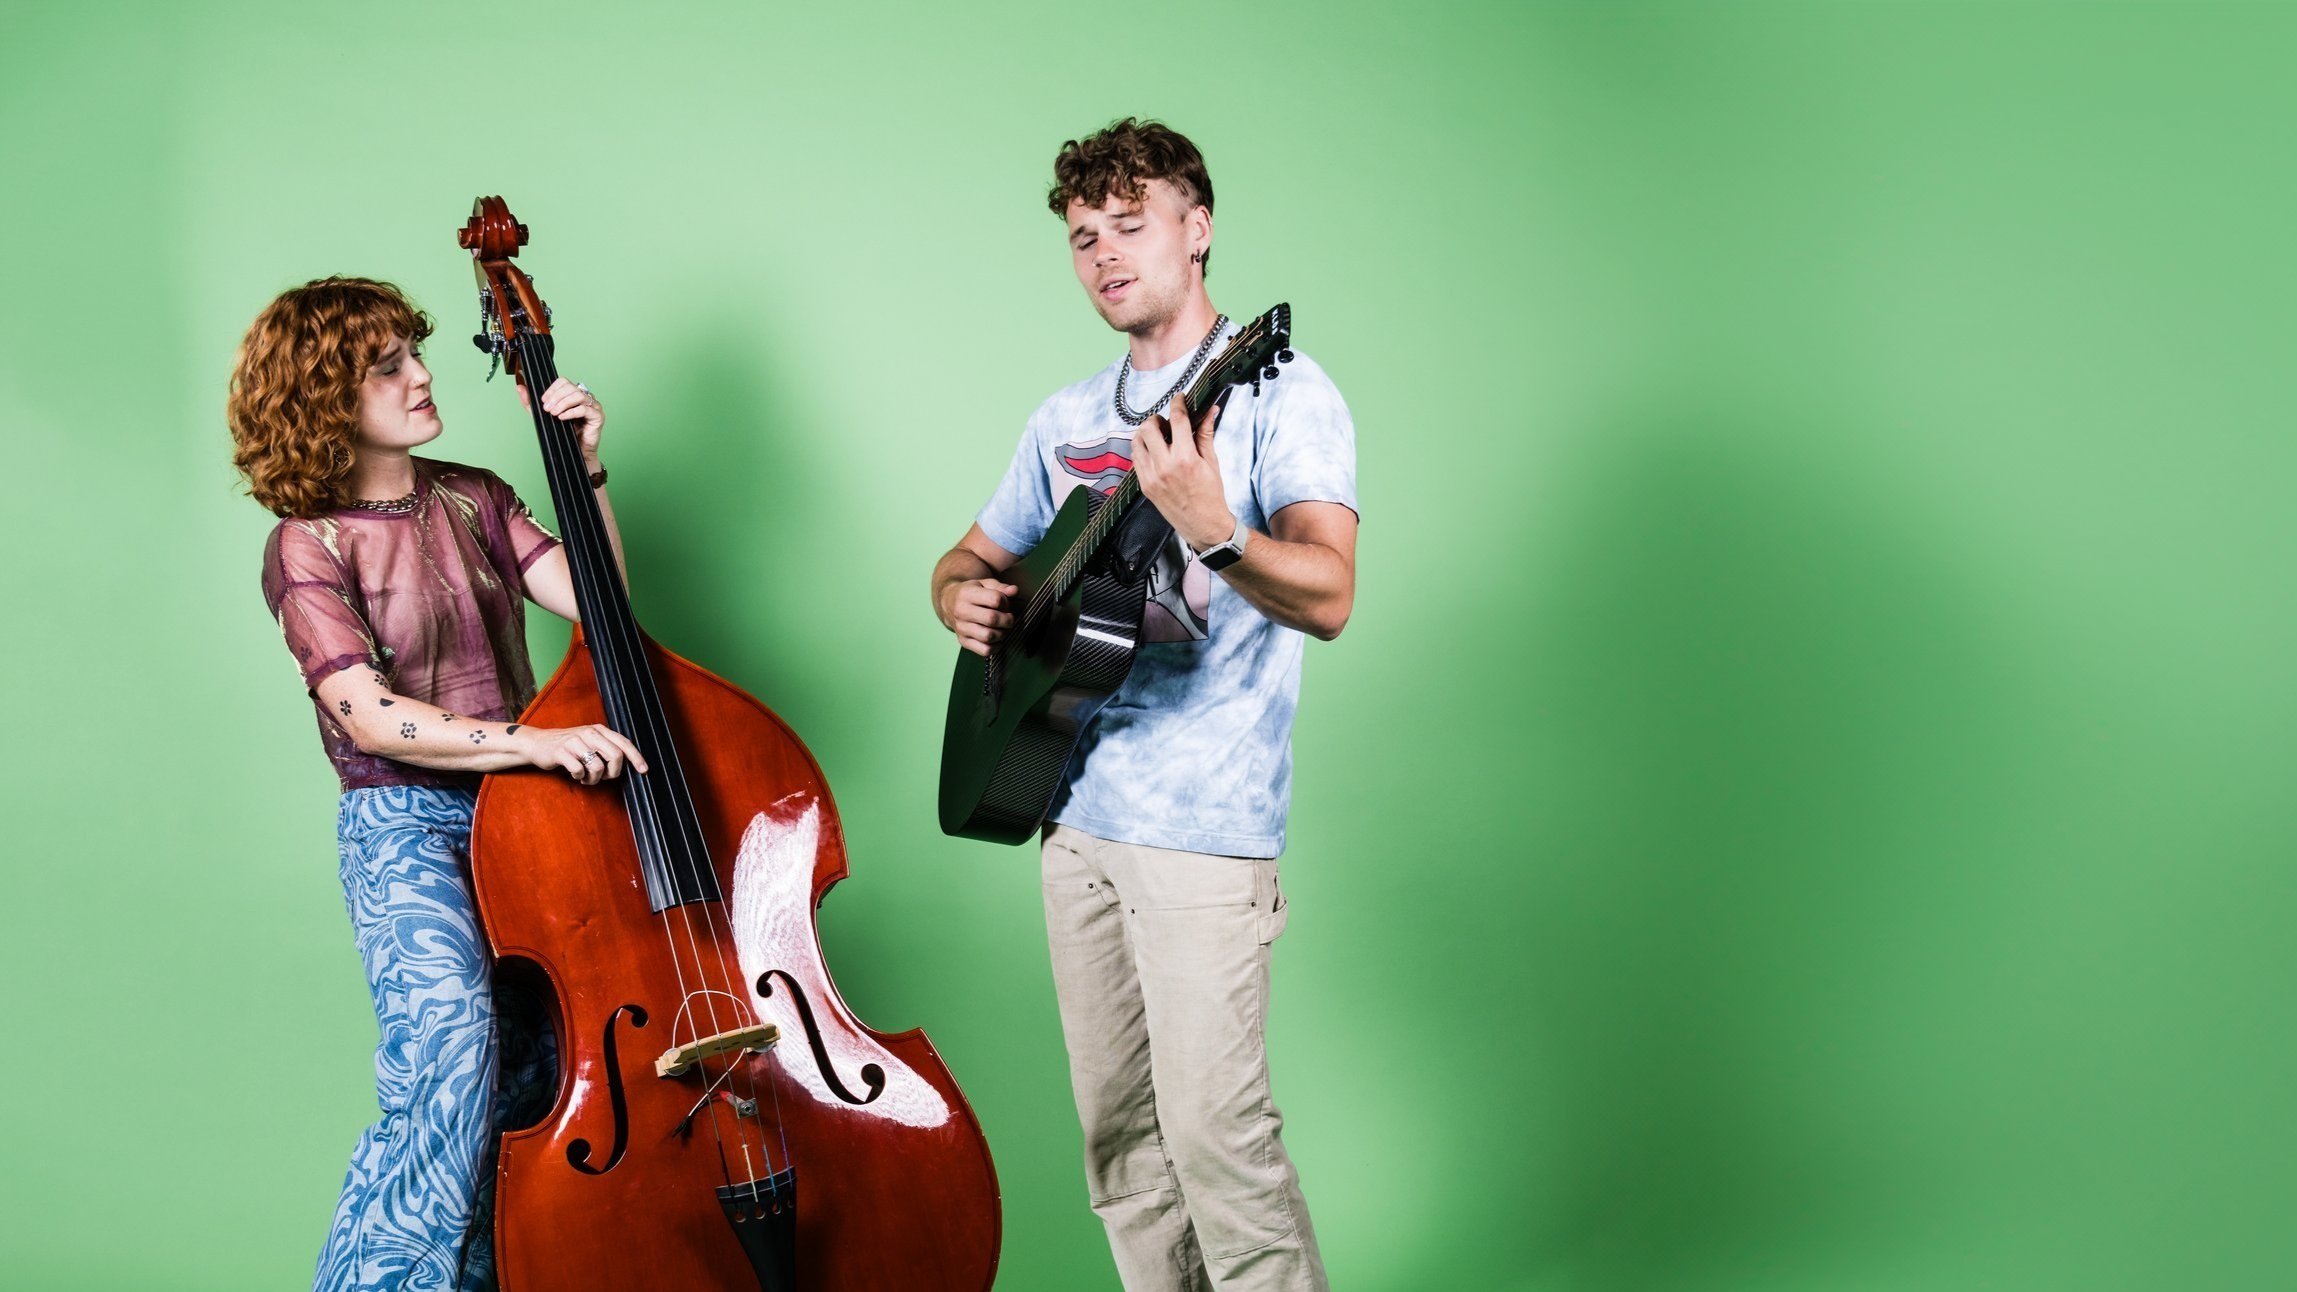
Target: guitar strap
x=1133 y=548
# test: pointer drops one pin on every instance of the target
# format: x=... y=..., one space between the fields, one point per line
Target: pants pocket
x=1268 y=897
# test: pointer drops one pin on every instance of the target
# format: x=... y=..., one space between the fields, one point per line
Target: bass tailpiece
x=764 y=1214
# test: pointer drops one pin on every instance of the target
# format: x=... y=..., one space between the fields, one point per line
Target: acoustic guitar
x=1015 y=715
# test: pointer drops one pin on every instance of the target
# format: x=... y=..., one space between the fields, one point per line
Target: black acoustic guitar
x=1015 y=714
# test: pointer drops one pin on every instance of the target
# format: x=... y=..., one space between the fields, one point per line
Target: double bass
x=723 y=1123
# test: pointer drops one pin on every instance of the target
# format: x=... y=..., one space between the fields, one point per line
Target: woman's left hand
x=576 y=406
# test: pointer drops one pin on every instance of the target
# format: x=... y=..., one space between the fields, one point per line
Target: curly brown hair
x=1121 y=159
x=294 y=405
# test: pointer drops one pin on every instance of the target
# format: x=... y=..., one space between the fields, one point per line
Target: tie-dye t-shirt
x=432 y=599
x=1194 y=751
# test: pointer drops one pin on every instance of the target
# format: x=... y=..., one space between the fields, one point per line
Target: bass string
x=650 y=711
x=585 y=533
x=630 y=672
x=585 y=530
x=583 y=541
x=612 y=633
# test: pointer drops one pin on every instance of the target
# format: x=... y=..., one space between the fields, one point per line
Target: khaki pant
x=1161 y=962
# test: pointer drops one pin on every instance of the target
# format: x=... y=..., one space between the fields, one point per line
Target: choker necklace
x=1204 y=347
x=388 y=506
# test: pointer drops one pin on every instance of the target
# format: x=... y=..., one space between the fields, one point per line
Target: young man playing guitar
x=1160 y=883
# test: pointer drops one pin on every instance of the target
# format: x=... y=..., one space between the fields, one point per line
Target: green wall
x=1804 y=800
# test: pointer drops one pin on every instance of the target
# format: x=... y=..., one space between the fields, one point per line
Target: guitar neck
x=1127 y=492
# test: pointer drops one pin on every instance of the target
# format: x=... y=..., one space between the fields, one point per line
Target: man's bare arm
x=968 y=596
x=1302 y=574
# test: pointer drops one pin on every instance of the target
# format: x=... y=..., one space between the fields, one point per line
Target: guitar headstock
x=1250 y=359
x=508 y=304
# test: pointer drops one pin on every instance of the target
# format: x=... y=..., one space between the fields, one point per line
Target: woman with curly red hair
x=397 y=581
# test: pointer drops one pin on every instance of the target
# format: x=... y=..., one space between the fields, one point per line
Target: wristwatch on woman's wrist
x=1222 y=555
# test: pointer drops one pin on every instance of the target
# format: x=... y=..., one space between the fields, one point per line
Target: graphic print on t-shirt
x=1180 y=592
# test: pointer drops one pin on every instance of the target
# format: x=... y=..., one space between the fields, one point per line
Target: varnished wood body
x=884 y=1204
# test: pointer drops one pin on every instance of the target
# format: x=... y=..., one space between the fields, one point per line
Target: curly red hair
x=294 y=405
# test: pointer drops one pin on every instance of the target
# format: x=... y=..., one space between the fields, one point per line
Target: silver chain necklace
x=1204 y=347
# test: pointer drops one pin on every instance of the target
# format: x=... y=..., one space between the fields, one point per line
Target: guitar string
x=1119 y=500
x=1054 y=589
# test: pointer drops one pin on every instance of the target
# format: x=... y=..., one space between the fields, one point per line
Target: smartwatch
x=1226 y=554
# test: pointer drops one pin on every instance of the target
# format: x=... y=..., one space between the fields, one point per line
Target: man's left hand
x=1173 y=456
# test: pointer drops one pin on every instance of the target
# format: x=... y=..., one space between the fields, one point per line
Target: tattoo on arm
x=509 y=729
x=450 y=717
x=478 y=737
x=406 y=731
x=344 y=706
x=385 y=702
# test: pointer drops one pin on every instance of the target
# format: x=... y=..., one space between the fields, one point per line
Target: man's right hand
x=977 y=611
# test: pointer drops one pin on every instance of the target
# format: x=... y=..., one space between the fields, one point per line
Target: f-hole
x=578 y=1152
x=872 y=1075
x=528 y=1041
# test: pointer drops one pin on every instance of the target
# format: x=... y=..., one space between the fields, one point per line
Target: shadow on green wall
x=726 y=496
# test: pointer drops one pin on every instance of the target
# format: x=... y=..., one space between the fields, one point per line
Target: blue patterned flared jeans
x=416 y=1213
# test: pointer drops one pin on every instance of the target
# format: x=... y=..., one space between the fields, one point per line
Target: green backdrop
x=1803 y=802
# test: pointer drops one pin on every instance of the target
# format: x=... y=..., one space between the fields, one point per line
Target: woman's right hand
x=589 y=754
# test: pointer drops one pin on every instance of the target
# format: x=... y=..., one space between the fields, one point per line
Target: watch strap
x=1223 y=555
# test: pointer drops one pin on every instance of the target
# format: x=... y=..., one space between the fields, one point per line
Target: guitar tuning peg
x=1256 y=387
x=1283 y=356
x=483 y=343
x=1269 y=372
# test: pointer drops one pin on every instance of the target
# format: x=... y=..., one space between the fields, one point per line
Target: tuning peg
x=1270 y=372
x=1256 y=387
x=1283 y=356
x=483 y=343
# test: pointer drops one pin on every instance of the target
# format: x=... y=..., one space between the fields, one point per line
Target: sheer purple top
x=433 y=599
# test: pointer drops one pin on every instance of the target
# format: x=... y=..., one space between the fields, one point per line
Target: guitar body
x=1013 y=725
